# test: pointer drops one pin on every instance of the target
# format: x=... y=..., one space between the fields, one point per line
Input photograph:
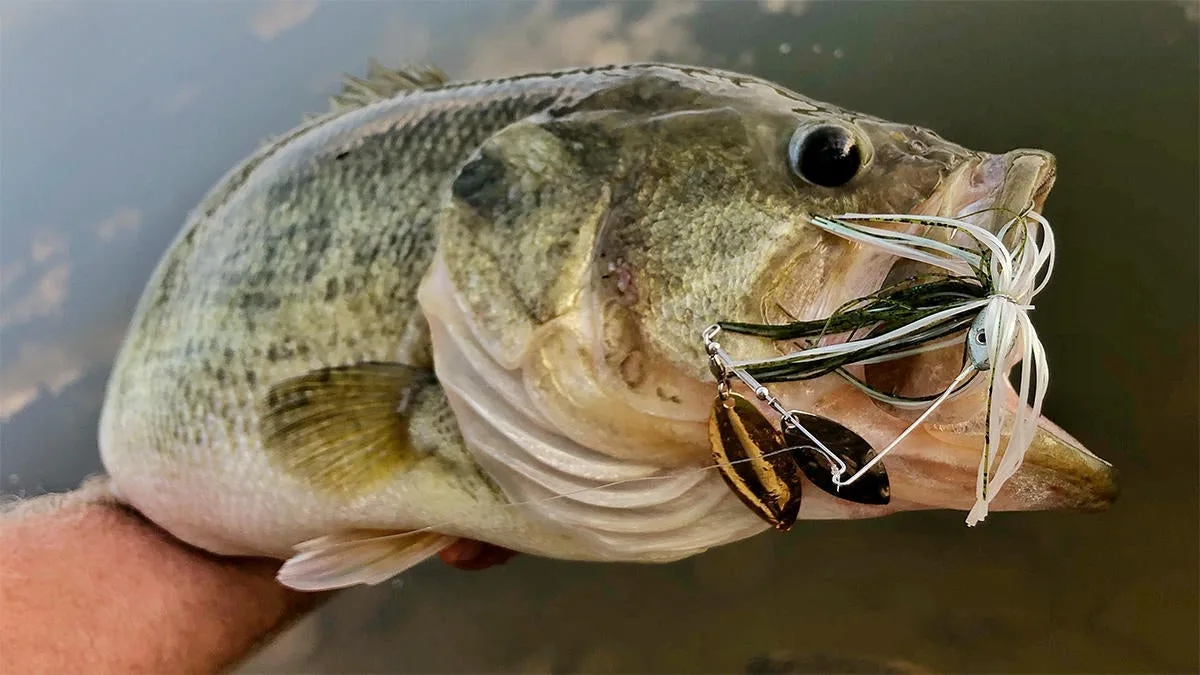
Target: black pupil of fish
x=827 y=156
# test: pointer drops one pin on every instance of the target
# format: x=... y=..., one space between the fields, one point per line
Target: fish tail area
x=358 y=557
x=93 y=490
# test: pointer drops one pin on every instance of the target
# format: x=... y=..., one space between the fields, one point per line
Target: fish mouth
x=988 y=193
x=937 y=466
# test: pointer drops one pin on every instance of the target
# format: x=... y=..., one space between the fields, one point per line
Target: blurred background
x=116 y=117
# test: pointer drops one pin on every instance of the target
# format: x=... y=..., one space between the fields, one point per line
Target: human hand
x=86 y=584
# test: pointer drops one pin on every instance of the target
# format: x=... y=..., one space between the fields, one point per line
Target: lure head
x=591 y=248
x=977 y=344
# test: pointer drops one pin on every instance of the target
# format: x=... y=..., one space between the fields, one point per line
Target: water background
x=116 y=117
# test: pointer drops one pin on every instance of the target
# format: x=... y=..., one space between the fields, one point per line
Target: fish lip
x=1080 y=481
x=1042 y=191
x=1028 y=178
x=1002 y=186
x=1070 y=489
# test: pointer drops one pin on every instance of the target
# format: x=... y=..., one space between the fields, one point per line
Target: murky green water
x=116 y=117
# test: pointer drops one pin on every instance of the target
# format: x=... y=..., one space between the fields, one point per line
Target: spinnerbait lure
x=985 y=289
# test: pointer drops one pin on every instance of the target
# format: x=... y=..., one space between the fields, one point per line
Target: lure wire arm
x=722 y=365
x=966 y=373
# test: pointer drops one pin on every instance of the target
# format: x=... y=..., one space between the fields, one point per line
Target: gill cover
x=518 y=348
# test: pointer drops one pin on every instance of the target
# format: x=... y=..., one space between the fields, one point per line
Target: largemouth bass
x=472 y=310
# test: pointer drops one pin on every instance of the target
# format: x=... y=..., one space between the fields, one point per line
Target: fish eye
x=828 y=155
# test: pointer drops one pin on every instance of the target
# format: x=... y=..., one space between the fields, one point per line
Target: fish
x=470 y=311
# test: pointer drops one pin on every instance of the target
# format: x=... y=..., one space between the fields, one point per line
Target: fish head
x=677 y=199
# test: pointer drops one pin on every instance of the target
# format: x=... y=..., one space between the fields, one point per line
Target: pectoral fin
x=358 y=557
x=345 y=428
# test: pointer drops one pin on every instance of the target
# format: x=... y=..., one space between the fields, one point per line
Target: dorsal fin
x=383 y=83
x=380 y=84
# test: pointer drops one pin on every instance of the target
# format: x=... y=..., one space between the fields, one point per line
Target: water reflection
x=119 y=115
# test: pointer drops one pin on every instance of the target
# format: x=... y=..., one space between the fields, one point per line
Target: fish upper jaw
x=1008 y=181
